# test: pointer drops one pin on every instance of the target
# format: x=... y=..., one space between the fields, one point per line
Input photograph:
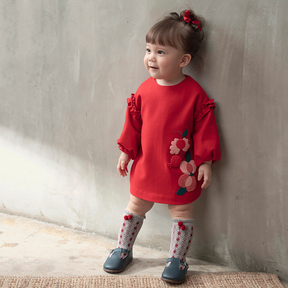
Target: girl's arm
x=206 y=140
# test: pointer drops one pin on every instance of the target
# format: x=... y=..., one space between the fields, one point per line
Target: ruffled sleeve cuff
x=132 y=107
x=125 y=150
x=214 y=156
x=204 y=109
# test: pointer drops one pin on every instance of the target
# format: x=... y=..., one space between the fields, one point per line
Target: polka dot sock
x=129 y=229
x=181 y=237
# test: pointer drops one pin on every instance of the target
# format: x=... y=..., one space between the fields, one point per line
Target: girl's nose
x=152 y=57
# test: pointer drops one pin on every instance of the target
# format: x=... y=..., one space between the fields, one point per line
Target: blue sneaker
x=175 y=271
x=118 y=260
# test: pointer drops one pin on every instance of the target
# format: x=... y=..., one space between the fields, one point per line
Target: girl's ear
x=185 y=60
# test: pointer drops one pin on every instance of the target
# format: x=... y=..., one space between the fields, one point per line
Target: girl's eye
x=160 y=52
x=148 y=50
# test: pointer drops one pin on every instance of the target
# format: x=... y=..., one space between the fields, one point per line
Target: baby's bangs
x=163 y=35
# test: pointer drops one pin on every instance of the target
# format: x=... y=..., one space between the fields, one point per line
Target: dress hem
x=165 y=201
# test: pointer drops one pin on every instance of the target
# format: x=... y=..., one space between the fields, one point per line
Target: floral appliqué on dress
x=179 y=147
x=187 y=181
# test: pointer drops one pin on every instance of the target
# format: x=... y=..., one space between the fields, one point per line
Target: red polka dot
x=179 y=233
x=125 y=217
x=180 y=223
x=122 y=230
x=119 y=242
x=130 y=239
x=191 y=234
x=123 y=224
x=183 y=227
x=137 y=223
x=181 y=268
x=172 y=256
x=120 y=236
x=128 y=245
x=176 y=245
x=130 y=216
x=177 y=239
x=133 y=233
x=174 y=251
x=135 y=228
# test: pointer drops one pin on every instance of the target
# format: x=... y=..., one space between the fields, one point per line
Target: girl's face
x=165 y=63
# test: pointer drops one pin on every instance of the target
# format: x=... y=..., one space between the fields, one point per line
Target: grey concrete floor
x=32 y=248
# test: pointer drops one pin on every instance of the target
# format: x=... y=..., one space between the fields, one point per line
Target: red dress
x=168 y=132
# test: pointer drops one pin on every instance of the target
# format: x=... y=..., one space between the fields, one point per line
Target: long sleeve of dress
x=130 y=139
x=205 y=133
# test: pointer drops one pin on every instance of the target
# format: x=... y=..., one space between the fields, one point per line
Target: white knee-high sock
x=129 y=229
x=181 y=237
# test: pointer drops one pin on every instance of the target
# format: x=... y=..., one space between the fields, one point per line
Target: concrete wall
x=67 y=68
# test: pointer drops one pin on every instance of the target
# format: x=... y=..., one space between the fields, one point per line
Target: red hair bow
x=187 y=16
x=187 y=19
x=196 y=22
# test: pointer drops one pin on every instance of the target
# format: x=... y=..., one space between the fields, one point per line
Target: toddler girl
x=171 y=134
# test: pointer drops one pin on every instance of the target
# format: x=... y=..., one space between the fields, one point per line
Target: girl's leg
x=130 y=226
x=132 y=221
x=139 y=206
x=181 y=211
x=181 y=237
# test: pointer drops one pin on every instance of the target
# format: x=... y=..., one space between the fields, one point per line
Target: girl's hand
x=123 y=161
x=205 y=170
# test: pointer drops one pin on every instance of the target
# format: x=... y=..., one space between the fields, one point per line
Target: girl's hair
x=174 y=31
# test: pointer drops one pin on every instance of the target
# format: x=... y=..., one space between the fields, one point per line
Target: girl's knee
x=184 y=211
x=139 y=206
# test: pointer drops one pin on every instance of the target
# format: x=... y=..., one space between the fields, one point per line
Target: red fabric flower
x=187 y=16
x=179 y=144
x=196 y=22
x=175 y=161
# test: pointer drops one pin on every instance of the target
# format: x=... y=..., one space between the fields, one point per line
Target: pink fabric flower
x=188 y=180
x=179 y=144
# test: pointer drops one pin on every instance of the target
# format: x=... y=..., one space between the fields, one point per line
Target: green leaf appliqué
x=181 y=191
x=185 y=133
x=188 y=156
